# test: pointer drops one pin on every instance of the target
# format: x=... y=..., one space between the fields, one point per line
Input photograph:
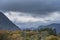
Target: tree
x=49 y=30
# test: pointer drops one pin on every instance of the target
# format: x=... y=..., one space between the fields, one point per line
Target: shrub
x=52 y=37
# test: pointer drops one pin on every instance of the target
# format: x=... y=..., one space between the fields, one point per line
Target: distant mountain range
x=54 y=25
x=6 y=24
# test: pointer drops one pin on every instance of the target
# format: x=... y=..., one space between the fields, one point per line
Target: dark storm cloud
x=36 y=7
x=37 y=10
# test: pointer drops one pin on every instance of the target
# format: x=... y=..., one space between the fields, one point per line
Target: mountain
x=6 y=24
x=54 y=25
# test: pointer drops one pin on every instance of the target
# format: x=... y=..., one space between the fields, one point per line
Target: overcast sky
x=31 y=13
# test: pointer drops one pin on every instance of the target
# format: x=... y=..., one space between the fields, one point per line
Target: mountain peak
x=6 y=24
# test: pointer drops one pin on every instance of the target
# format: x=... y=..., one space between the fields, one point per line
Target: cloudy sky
x=31 y=13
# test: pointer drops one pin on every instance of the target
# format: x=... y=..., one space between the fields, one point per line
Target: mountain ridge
x=53 y=25
x=6 y=24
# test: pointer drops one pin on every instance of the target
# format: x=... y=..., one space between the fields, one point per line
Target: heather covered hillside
x=42 y=34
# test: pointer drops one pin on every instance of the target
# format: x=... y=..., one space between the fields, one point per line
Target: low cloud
x=22 y=17
x=26 y=20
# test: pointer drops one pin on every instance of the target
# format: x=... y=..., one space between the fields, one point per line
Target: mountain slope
x=6 y=24
x=54 y=25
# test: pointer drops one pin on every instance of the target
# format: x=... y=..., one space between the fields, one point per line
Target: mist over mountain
x=6 y=24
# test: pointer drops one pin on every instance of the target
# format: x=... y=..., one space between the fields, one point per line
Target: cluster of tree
x=51 y=31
